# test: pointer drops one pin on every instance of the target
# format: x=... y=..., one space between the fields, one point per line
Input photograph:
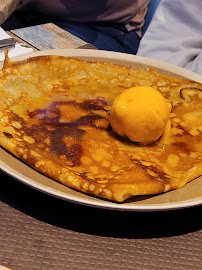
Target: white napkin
x=17 y=50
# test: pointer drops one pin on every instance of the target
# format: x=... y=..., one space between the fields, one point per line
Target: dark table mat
x=38 y=231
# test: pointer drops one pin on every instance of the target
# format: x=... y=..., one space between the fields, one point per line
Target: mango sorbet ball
x=140 y=113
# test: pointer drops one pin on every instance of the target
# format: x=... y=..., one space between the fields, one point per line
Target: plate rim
x=114 y=56
x=110 y=56
x=103 y=204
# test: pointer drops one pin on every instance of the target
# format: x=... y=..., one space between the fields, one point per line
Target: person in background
x=175 y=35
x=114 y=25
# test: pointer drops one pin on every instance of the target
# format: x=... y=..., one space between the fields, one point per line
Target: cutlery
x=7 y=43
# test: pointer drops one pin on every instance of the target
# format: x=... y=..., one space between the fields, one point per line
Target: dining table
x=41 y=231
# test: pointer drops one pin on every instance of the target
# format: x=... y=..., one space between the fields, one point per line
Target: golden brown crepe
x=54 y=116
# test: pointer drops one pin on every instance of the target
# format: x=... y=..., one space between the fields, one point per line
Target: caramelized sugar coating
x=54 y=116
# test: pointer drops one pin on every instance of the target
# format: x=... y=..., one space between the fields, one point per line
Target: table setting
x=46 y=225
x=12 y=44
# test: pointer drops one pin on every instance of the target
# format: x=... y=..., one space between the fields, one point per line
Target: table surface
x=51 y=37
x=6 y=8
x=38 y=231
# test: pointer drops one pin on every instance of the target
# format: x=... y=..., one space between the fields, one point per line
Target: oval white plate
x=188 y=196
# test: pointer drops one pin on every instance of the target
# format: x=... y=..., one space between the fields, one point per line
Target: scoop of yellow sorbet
x=140 y=113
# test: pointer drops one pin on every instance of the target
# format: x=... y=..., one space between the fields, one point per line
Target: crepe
x=54 y=116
